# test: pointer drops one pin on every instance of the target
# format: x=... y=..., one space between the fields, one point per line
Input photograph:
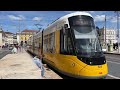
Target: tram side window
x=40 y=42
x=36 y=43
x=46 y=43
x=51 y=42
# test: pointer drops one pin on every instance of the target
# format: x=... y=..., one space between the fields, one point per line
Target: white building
x=3 y=38
x=110 y=36
x=0 y=37
x=15 y=39
x=9 y=37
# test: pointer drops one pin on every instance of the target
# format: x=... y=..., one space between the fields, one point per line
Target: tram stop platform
x=22 y=66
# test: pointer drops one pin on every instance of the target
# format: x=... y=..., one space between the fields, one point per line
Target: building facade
x=0 y=37
x=15 y=39
x=3 y=38
x=9 y=38
x=109 y=37
x=6 y=38
x=23 y=36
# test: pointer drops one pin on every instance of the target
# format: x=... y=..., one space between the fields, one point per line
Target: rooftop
x=8 y=33
x=26 y=30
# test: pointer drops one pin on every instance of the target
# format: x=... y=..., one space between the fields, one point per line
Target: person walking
x=14 y=50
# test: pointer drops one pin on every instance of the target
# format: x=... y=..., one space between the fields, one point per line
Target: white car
x=104 y=49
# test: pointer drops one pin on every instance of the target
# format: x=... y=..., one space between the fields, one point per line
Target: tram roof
x=63 y=18
x=69 y=15
x=75 y=14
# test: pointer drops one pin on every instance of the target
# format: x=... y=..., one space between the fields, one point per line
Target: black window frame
x=69 y=35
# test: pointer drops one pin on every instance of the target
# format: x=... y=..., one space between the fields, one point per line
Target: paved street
x=4 y=52
x=113 y=66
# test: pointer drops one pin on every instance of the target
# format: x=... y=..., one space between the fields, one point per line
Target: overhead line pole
x=118 y=28
x=105 y=31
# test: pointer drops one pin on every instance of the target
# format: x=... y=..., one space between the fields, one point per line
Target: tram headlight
x=90 y=62
x=104 y=61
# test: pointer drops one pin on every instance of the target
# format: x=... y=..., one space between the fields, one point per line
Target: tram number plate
x=99 y=66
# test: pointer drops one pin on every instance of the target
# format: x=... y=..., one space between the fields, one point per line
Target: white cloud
x=99 y=18
x=112 y=19
x=37 y=18
x=19 y=17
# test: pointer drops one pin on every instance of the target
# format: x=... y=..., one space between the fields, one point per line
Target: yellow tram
x=70 y=44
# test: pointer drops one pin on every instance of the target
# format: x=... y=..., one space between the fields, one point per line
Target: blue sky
x=12 y=21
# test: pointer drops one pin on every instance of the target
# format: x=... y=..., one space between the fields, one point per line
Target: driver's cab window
x=65 y=42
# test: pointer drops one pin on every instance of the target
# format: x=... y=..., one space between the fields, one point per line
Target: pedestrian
x=39 y=64
x=14 y=50
x=19 y=48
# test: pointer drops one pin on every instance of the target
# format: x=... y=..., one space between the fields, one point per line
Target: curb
x=111 y=53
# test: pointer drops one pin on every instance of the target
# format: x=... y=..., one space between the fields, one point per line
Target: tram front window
x=88 y=47
x=86 y=40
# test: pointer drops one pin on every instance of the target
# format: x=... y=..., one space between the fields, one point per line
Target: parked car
x=104 y=49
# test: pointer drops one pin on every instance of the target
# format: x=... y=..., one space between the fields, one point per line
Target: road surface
x=4 y=52
x=113 y=66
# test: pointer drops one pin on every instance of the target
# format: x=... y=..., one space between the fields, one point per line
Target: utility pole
x=105 y=31
x=118 y=28
x=20 y=32
x=41 y=46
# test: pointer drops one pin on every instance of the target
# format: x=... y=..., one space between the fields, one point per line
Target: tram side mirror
x=65 y=26
x=98 y=31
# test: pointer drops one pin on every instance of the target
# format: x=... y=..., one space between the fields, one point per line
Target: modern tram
x=70 y=45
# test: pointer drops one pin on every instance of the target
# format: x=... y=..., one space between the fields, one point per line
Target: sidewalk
x=113 y=52
x=22 y=66
x=19 y=66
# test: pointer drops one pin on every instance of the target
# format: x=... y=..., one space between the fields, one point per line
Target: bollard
x=110 y=47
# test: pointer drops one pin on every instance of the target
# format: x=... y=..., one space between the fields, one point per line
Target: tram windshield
x=86 y=38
